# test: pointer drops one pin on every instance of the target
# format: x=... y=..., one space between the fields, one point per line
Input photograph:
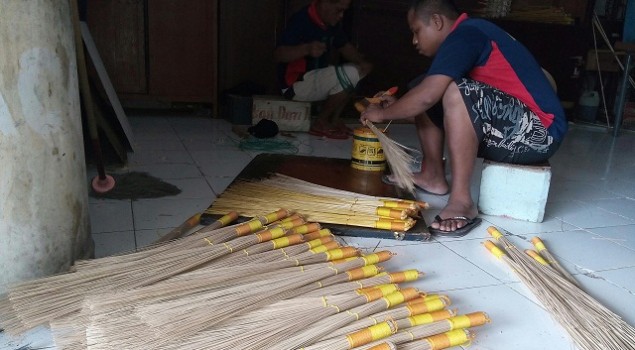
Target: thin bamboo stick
x=542 y=249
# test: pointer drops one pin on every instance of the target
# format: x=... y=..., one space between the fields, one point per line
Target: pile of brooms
x=318 y=203
x=588 y=323
x=274 y=282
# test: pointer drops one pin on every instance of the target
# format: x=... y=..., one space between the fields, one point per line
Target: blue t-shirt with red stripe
x=304 y=27
x=479 y=49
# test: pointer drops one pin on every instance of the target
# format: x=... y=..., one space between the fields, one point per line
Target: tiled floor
x=589 y=223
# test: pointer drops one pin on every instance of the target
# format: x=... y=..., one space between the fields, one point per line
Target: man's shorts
x=319 y=84
x=507 y=130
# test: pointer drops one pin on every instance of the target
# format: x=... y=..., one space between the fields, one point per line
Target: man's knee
x=452 y=96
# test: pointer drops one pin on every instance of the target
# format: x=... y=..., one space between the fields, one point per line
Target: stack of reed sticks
x=274 y=282
x=319 y=203
x=588 y=323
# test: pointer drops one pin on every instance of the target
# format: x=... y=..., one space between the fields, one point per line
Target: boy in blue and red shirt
x=484 y=94
x=305 y=70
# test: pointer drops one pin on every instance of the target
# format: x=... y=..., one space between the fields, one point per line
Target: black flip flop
x=469 y=225
x=386 y=179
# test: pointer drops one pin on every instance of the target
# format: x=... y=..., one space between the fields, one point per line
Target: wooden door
x=118 y=29
x=182 y=53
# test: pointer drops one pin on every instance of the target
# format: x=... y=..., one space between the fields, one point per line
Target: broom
x=398 y=159
x=185 y=317
x=457 y=337
x=255 y=329
x=365 y=297
x=426 y=330
x=375 y=334
x=423 y=305
x=201 y=238
x=192 y=222
x=163 y=316
x=36 y=302
x=324 y=326
x=285 y=181
x=588 y=323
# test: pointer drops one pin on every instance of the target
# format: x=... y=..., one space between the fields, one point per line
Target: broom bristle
x=398 y=159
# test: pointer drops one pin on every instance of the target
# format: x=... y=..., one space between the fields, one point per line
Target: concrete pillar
x=44 y=222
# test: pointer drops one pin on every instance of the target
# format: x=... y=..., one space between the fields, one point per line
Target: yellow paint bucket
x=367 y=152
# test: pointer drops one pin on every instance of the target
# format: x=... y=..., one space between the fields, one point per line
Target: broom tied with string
x=305 y=326
x=102 y=316
x=204 y=311
x=423 y=305
x=588 y=323
x=285 y=181
x=324 y=326
x=457 y=337
x=376 y=334
x=252 y=196
x=201 y=238
x=473 y=319
x=263 y=327
x=38 y=301
x=397 y=158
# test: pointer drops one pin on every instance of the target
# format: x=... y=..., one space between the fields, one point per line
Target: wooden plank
x=107 y=84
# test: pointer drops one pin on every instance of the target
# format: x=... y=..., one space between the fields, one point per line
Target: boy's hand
x=316 y=48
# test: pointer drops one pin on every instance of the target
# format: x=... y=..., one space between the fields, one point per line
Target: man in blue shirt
x=484 y=95
x=305 y=71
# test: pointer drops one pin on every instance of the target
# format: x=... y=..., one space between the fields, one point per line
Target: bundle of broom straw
x=588 y=323
x=398 y=159
x=283 y=285
x=318 y=203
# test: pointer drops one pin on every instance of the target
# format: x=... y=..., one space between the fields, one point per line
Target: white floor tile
x=109 y=243
x=622 y=235
x=193 y=188
x=165 y=212
x=587 y=252
x=615 y=297
x=110 y=215
x=585 y=214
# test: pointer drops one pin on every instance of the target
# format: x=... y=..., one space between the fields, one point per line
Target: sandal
x=460 y=232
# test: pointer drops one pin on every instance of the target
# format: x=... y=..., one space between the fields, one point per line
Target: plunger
x=102 y=183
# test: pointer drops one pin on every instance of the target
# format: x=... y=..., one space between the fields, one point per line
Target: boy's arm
x=351 y=54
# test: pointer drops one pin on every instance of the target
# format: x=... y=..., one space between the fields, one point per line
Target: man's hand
x=316 y=48
x=373 y=113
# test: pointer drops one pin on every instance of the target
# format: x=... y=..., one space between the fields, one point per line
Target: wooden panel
x=117 y=26
x=246 y=51
x=381 y=33
x=182 y=50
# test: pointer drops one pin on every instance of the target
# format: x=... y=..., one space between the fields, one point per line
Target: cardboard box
x=289 y=115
